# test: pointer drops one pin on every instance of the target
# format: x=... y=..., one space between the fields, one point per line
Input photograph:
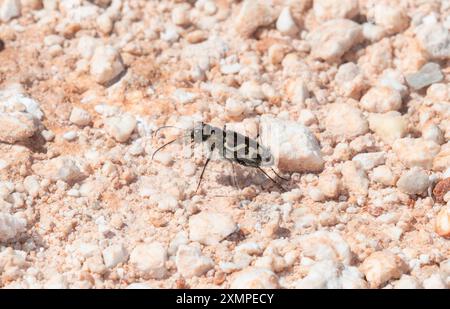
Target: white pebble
x=80 y=117
x=106 y=64
x=191 y=263
x=255 y=278
x=293 y=146
x=150 y=259
x=121 y=127
x=333 y=38
x=414 y=181
x=285 y=23
x=114 y=255
x=210 y=227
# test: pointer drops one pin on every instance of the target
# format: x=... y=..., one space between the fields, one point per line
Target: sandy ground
x=357 y=92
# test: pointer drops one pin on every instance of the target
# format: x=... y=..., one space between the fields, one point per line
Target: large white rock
x=10 y=226
x=191 y=263
x=333 y=38
x=293 y=146
x=106 y=64
x=150 y=259
x=255 y=278
x=210 y=227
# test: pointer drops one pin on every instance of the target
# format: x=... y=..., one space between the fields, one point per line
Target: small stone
x=330 y=185
x=180 y=15
x=383 y=174
x=406 y=282
x=196 y=36
x=121 y=127
x=10 y=226
x=382 y=266
x=435 y=40
x=80 y=117
x=434 y=282
x=344 y=121
x=105 y=23
x=354 y=178
x=297 y=92
x=255 y=278
x=285 y=23
x=373 y=33
x=350 y=80
x=9 y=9
x=48 y=135
x=331 y=9
x=393 y=79
x=86 y=46
x=369 y=160
x=429 y=74
x=414 y=181
x=333 y=38
x=32 y=186
x=70 y=136
x=292 y=145
x=234 y=108
x=209 y=228
x=432 y=132
x=416 y=152
x=392 y=19
x=170 y=34
x=167 y=202
x=114 y=255
x=442 y=225
x=253 y=14
x=16 y=127
x=150 y=259
x=191 y=263
x=381 y=100
x=106 y=64
x=251 y=90
x=307 y=117
x=389 y=126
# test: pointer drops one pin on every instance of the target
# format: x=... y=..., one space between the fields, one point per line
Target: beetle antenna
x=166 y=144
x=165 y=127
